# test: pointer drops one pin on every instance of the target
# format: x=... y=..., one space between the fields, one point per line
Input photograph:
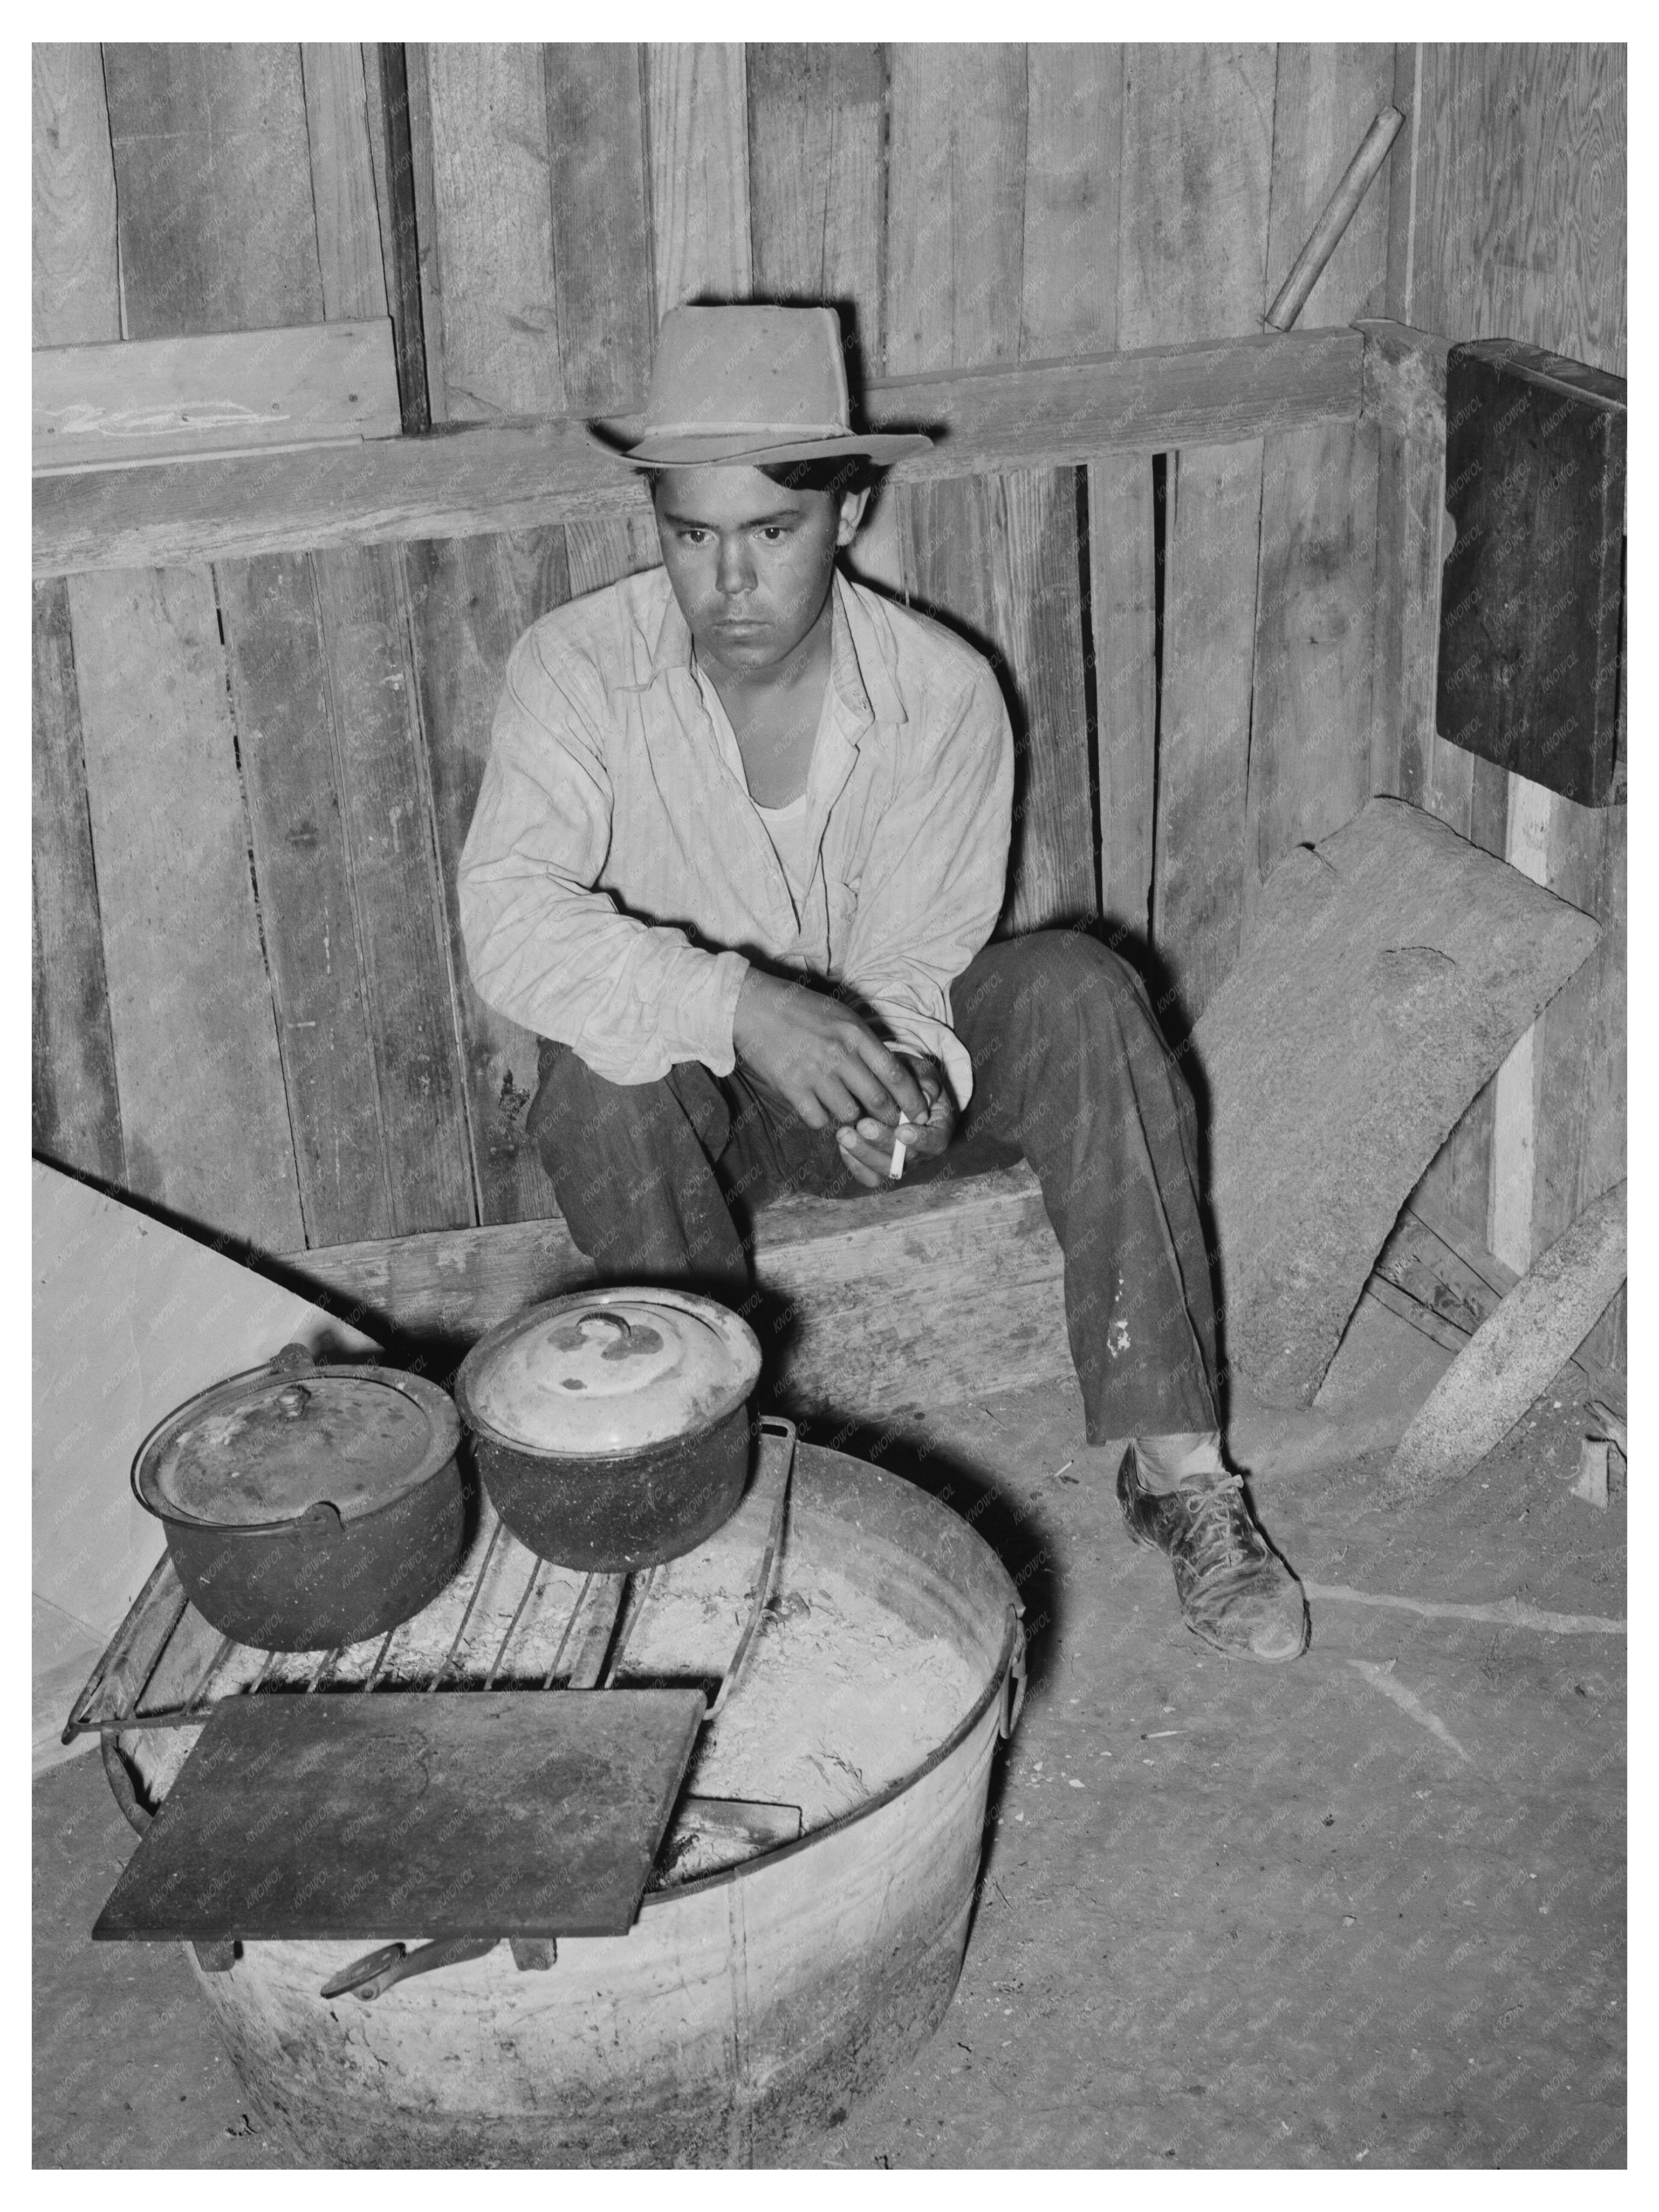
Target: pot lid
x=268 y=1446
x=609 y=1371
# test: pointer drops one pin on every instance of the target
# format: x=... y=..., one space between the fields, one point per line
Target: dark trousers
x=1070 y=1073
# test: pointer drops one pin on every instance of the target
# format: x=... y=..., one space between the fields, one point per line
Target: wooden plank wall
x=1509 y=221
x=961 y=204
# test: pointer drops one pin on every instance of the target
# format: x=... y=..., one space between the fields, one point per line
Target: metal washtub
x=743 y=2010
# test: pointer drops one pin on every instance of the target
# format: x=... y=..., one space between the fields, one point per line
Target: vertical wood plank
x=1197 y=155
x=280 y=689
x=76 y=291
x=999 y=553
x=1578 y=1107
x=1073 y=156
x=385 y=77
x=601 y=224
x=1411 y=524
x=956 y=207
x=397 y=888
x=600 y=553
x=1214 y=509
x=816 y=191
x=492 y=194
x=1405 y=164
x=470 y=599
x=1309 y=769
x=1195 y=196
x=213 y=178
x=1311 y=721
x=997 y=557
x=349 y=246
x=1520 y=221
x=1123 y=606
x=77 y=1111
x=1326 y=98
x=1510 y=1224
x=418 y=90
x=202 y=1108
x=697 y=131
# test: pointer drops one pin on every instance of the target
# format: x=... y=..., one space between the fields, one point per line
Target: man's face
x=750 y=562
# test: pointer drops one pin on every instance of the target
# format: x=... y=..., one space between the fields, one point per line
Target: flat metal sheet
x=484 y=1813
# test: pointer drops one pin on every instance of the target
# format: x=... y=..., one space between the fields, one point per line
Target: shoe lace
x=1219 y=1534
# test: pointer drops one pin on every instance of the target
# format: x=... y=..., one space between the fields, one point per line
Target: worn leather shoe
x=1236 y=1593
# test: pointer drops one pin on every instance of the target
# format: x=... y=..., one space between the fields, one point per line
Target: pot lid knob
x=598 y=1327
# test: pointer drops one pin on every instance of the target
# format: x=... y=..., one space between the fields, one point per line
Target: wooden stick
x=1306 y=269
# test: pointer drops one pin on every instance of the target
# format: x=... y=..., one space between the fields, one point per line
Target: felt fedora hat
x=747 y=384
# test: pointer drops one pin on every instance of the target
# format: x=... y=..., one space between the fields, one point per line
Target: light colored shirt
x=617 y=876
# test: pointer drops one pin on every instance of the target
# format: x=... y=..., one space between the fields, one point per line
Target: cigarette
x=895 y=1165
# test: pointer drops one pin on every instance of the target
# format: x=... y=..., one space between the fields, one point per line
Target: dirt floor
x=1366 y=1910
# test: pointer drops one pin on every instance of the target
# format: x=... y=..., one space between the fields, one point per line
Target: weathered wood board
x=1520 y=197
x=1122 y=610
x=470 y=600
x=997 y=557
x=75 y=289
x=1074 y=160
x=601 y=224
x=218 y=231
x=1310 y=714
x=1389 y=968
x=698 y=133
x=175 y=398
x=497 y=322
x=386 y=807
x=350 y=256
x=203 y=1111
x=839 y=1317
x=1214 y=503
x=1197 y=162
x=817 y=182
x=279 y=690
x=77 y=1112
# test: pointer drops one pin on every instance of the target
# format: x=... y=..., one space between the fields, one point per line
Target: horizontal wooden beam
x=151 y=400
x=1403 y=379
x=481 y=477
x=908 y=1297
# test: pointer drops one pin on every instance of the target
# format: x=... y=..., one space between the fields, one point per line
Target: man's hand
x=868 y=1145
x=816 y=1056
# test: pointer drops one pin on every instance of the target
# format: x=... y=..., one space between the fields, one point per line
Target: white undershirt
x=787 y=827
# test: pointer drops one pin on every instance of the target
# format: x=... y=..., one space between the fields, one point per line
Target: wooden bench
x=868 y=1304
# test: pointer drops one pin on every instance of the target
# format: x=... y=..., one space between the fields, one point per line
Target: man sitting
x=739 y=852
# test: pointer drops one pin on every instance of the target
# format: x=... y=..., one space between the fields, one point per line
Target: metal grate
x=509 y=1620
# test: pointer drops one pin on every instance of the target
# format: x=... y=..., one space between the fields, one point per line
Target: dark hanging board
x=1533 y=587
x=494 y=1814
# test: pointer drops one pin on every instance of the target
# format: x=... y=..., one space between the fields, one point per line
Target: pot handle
x=603 y=1315
x=321 y=1518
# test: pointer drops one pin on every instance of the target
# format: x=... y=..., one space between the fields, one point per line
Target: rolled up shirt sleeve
x=933 y=881
x=544 y=947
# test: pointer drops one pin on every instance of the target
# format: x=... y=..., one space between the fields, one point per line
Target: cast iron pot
x=612 y=1427
x=308 y=1506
